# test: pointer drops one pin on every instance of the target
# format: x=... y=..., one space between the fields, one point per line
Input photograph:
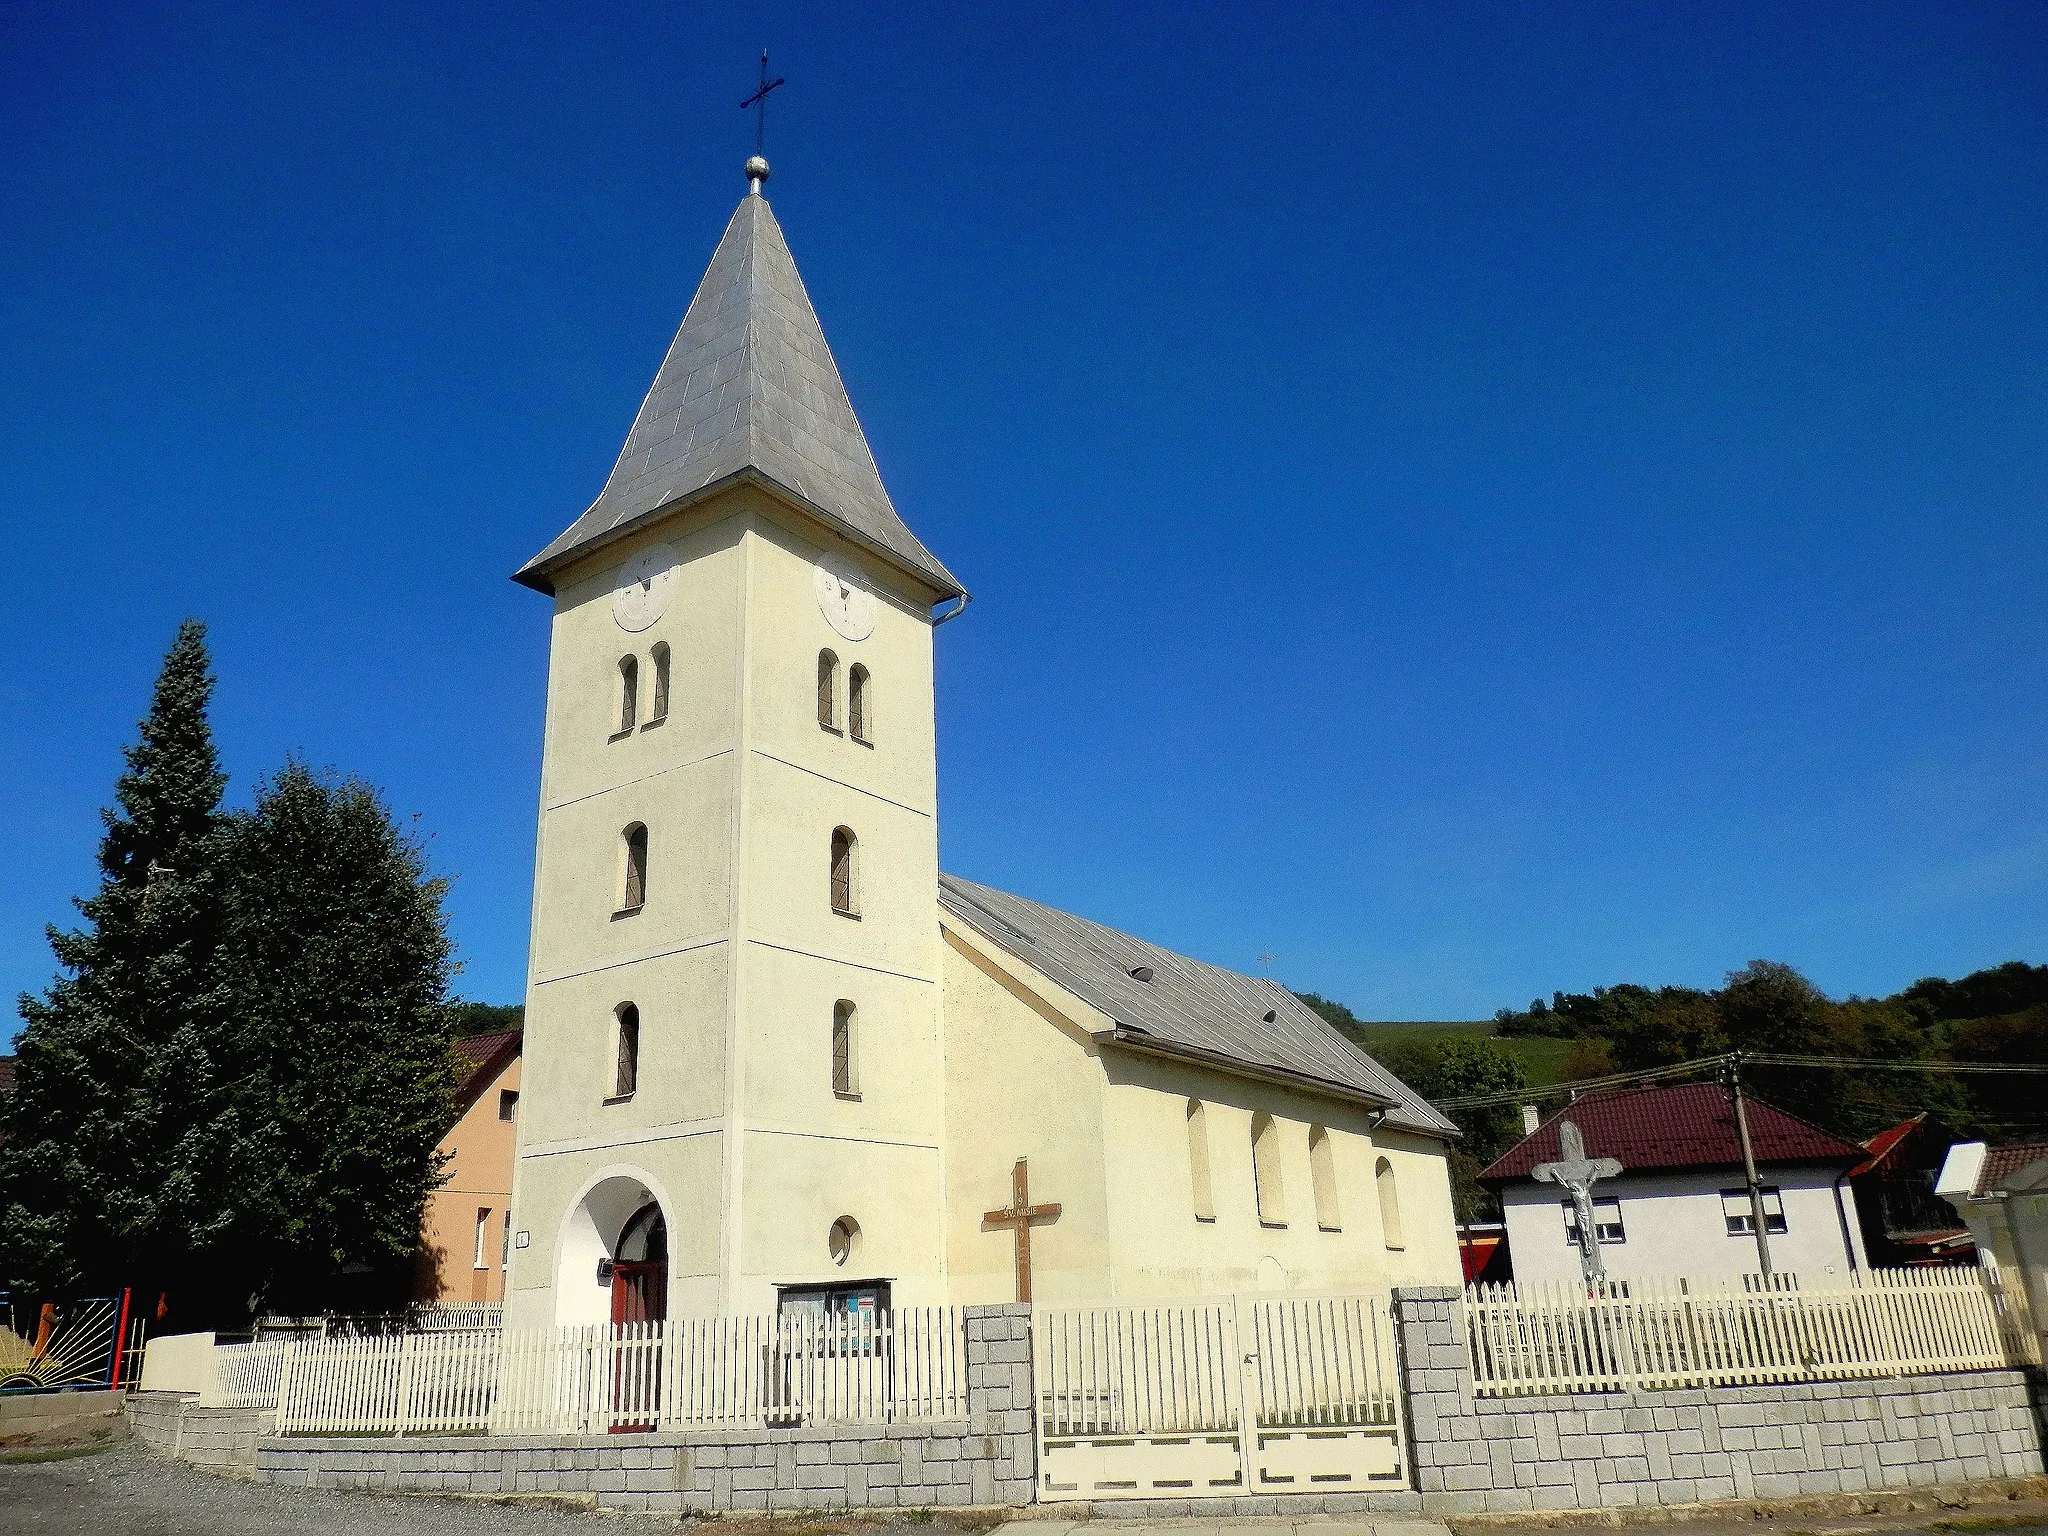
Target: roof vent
x=1141 y=972
x=1271 y=1015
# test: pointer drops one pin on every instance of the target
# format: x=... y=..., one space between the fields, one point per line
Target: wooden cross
x=1019 y=1216
x=1578 y=1173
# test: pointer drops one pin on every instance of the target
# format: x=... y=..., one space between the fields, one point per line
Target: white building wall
x=1674 y=1226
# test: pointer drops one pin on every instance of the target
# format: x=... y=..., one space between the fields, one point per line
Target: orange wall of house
x=479 y=1178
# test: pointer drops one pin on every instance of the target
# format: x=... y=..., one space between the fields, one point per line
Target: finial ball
x=757 y=169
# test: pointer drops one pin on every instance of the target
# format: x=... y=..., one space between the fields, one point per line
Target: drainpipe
x=1842 y=1215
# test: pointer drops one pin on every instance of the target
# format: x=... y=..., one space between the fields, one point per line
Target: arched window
x=845 y=1051
x=626 y=1055
x=636 y=870
x=1266 y=1180
x=828 y=690
x=657 y=709
x=629 y=693
x=1322 y=1172
x=845 y=890
x=857 y=720
x=1390 y=1204
x=1198 y=1160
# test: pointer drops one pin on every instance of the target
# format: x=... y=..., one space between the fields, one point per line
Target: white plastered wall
x=1105 y=1133
x=1675 y=1226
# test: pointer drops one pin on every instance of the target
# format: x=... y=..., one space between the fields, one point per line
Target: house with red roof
x=1680 y=1205
x=466 y=1230
x=2002 y=1192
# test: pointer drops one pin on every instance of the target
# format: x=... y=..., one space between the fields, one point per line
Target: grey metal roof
x=1187 y=1008
x=748 y=386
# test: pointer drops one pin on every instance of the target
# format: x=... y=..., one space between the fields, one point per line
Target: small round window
x=842 y=1239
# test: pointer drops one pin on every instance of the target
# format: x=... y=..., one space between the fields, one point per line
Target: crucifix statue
x=1577 y=1173
x=1020 y=1215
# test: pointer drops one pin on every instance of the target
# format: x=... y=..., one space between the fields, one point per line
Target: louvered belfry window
x=845 y=1068
x=857 y=703
x=626 y=1076
x=842 y=870
x=636 y=869
x=658 y=708
x=629 y=692
x=828 y=690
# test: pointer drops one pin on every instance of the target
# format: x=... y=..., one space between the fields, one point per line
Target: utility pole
x=1756 y=1188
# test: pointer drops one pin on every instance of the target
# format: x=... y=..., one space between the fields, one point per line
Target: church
x=776 y=1059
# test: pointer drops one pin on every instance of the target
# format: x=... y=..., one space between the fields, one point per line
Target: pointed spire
x=748 y=386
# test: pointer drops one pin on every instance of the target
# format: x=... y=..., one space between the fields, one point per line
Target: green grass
x=53 y=1453
x=1542 y=1058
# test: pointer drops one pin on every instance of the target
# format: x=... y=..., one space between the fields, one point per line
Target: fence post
x=284 y=1383
x=1435 y=1373
x=1001 y=1396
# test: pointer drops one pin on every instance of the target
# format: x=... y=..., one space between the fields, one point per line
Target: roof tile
x=1689 y=1126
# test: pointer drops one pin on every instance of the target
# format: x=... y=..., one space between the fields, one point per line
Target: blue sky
x=1466 y=499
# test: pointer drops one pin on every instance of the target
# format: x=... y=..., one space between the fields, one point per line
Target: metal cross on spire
x=757 y=167
x=1578 y=1173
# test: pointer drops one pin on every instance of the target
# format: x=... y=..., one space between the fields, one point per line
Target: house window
x=1607 y=1225
x=1322 y=1168
x=1390 y=1204
x=828 y=691
x=505 y=1247
x=857 y=719
x=483 y=1233
x=1198 y=1160
x=845 y=847
x=1741 y=1221
x=845 y=1052
x=508 y=1103
x=657 y=709
x=626 y=1058
x=635 y=894
x=629 y=693
x=1267 y=1184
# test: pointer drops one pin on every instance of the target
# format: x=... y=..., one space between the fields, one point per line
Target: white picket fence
x=740 y=1371
x=248 y=1373
x=1213 y=1397
x=1742 y=1331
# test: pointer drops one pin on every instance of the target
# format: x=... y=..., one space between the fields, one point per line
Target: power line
x=1715 y=1063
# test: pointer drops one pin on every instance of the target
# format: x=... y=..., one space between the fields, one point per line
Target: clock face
x=641 y=590
x=848 y=606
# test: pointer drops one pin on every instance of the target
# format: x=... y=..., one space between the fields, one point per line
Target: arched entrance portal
x=640 y=1272
x=612 y=1264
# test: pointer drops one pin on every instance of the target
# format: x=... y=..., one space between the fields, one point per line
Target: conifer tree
x=102 y=1180
x=337 y=967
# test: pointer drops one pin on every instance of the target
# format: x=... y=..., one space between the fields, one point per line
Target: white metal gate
x=1256 y=1394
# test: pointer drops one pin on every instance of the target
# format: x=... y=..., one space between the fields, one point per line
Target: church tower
x=733 y=1082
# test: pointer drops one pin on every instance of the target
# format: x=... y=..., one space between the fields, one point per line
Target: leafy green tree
x=111 y=1143
x=467 y=1018
x=338 y=965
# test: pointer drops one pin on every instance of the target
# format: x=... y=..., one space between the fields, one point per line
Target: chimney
x=1531 y=1118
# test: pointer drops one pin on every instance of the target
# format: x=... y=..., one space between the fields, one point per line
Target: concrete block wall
x=31 y=1413
x=1619 y=1449
x=221 y=1439
x=986 y=1458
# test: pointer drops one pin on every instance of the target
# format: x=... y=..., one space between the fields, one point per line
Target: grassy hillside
x=1541 y=1058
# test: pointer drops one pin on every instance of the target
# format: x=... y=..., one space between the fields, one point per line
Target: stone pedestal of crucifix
x=1020 y=1215
x=1577 y=1174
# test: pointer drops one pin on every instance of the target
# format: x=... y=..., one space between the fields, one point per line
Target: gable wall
x=1106 y=1135
x=1674 y=1226
x=1019 y=1084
